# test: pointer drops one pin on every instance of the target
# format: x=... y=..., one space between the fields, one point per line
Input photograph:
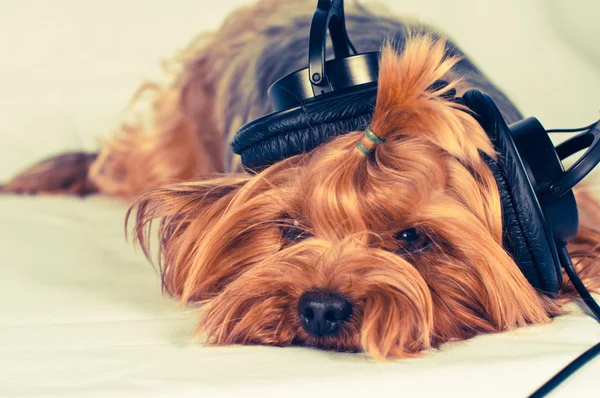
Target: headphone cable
x=592 y=352
x=577 y=130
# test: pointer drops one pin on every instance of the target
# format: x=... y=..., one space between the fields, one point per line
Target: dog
x=390 y=254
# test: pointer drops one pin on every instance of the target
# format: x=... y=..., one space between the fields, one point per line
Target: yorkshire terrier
x=389 y=254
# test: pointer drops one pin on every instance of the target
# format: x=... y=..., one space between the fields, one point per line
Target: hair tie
x=371 y=136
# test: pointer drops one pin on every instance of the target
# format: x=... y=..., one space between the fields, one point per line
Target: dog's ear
x=186 y=211
x=212 y=231
x=412 y=103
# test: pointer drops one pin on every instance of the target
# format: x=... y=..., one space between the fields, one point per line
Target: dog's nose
x=322 y=313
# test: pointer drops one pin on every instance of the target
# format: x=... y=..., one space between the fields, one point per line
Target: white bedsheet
x=81 y=313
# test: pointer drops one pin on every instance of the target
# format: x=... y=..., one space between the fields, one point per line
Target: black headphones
x=539 y=209
x=338 y=95
x=538 y=205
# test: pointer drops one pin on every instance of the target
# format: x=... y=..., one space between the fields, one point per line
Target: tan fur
x=187 y=136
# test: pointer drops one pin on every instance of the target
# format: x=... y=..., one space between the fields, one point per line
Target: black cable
x=572 y=130
x=588 y=355
x=566 y=372
x=567 y=264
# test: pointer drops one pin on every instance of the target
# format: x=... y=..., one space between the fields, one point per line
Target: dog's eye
x=411 y=240
x=293 y=233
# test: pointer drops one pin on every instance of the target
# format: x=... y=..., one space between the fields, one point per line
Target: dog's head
x=391 y=253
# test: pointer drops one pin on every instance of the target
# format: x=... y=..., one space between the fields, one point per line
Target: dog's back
x=222 y=85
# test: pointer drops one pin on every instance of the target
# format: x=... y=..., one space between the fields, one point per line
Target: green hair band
x=372 y=137
x=363 y=149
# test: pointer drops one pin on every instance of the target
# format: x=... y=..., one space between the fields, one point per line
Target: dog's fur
x=220 y=235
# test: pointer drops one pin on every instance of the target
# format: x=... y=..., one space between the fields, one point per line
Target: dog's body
x=328 y=223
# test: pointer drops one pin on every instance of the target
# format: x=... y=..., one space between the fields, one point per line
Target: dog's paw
x=65 y=174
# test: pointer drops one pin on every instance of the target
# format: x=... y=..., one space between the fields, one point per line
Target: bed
x=81 y=311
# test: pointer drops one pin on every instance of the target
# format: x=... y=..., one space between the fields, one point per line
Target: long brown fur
x=219 y=235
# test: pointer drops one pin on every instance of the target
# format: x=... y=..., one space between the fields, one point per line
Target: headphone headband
x=328 y=15
x=297 y=89
x=321 y=77
x=311 y=105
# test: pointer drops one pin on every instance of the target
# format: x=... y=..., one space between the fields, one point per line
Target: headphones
x=337 y=95
x=538 y=206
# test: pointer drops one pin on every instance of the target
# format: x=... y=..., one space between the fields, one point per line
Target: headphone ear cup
x=298 y=130
x=515 y=239
x=526 y=234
